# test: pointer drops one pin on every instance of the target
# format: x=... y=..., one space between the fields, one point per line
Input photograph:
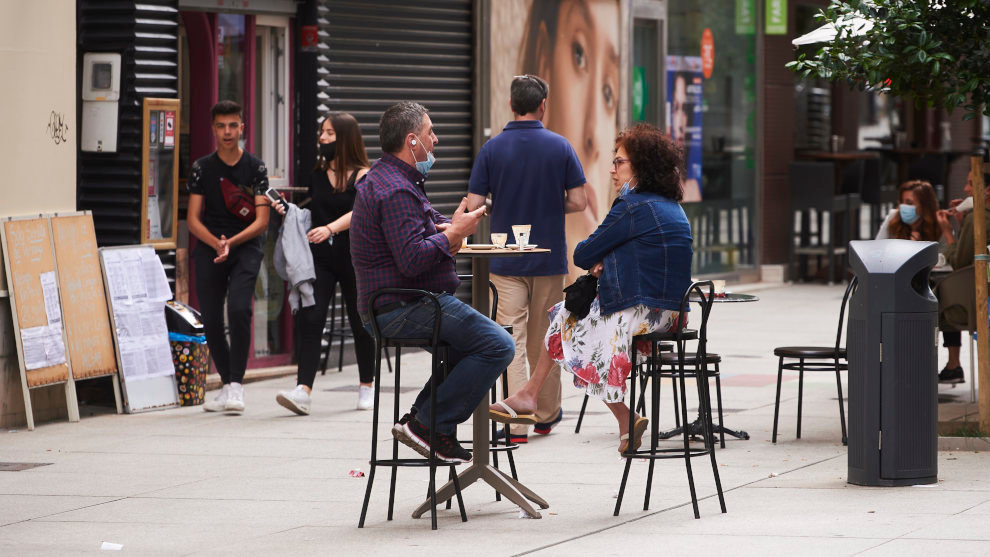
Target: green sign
x=776 y=17
x=745 y=17
x=639 y=94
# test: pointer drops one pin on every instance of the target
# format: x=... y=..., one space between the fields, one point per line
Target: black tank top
x=328 y=205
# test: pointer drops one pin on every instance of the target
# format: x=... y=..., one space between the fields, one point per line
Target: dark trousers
x=231 y=281
x=331 y=271
x=951 y=339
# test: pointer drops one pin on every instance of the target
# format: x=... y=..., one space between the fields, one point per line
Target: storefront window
x=711 y=110
x=230 y=56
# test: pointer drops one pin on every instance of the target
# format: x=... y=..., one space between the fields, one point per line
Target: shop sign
x=639 y=94
x=707 y=53
x=745 y=17
x=308 y=38
x=776 y=17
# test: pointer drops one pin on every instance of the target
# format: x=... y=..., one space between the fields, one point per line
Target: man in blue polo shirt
x=534 y=177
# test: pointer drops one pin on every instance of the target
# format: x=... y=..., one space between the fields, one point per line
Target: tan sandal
x=639 y=428
x=510 y=416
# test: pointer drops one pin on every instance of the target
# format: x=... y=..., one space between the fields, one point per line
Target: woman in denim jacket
x=642 y=255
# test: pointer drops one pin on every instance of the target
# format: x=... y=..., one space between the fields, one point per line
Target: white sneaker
x=366 y=397
x=218 y=404
x=297 y=400
x=235 y=398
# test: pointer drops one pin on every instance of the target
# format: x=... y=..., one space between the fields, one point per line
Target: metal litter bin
x=892 y=354
x=190 y=355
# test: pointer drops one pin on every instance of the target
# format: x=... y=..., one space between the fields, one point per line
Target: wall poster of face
x=684 y=91
x=574 y=46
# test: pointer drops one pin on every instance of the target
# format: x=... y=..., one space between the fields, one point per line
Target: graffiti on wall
x=57 y=129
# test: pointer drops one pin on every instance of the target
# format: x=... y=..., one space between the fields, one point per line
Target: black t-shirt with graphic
x=249 y=173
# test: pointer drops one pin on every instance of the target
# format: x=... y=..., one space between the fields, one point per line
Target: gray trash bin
x=892 y=353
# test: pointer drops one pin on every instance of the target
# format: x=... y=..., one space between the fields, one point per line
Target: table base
x=697 y=429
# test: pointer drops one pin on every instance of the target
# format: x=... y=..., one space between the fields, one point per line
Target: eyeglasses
x=617 y=161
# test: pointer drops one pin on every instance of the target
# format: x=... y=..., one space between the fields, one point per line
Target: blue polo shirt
x=527 y=169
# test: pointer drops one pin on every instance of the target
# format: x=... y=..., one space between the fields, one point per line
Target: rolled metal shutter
x=146 y=36
x=376 y=53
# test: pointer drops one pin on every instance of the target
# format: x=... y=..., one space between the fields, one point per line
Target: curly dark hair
x=656 y=160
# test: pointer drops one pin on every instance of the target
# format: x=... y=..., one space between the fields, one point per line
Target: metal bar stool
x=668 y=368
x=679 y=336
x=439 y=370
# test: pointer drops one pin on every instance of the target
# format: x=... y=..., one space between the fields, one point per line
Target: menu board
x=137 y=289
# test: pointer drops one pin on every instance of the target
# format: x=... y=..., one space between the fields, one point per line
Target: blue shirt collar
x=523 y=124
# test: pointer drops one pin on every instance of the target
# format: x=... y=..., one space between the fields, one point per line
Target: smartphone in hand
x=276 y=197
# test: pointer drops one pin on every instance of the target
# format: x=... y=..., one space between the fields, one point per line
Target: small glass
x=521 y=232
x=499 y=239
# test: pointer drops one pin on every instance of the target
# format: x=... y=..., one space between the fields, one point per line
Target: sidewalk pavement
x=184 y=482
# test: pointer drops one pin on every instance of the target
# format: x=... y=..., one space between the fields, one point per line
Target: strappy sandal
x=510 y=416
x=639 y=428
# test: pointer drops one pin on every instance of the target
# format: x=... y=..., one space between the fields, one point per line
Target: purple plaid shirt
x=394 y=237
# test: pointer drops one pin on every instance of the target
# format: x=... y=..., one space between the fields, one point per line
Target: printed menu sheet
x=43 y=345
x=138 y=292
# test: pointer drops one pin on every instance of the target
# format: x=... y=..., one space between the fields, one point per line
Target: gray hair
x=397 y=121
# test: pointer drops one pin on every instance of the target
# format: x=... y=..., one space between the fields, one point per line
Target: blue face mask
x=625 y=189
x=424 y=166
x=909 y=214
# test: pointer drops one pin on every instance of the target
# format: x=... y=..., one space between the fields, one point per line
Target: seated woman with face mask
x=915 y=216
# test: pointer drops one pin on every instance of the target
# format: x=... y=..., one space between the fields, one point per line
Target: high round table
x=696 y=428
x=479 y=468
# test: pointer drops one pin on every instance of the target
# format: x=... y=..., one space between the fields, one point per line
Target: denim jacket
x=644 y=245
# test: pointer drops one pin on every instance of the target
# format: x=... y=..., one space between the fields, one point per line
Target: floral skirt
x=598 y=348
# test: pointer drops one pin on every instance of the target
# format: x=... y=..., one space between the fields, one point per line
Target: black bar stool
x=679 y=336
x=669 y=369
x=439 y=365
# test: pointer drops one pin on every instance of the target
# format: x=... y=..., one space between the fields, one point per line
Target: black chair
x=331 y=331
x=679 y=336
x=812 y=190
x=876 y=193
x=439 y=369
x=815 y=358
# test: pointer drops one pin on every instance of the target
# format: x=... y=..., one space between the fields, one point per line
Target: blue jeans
x=479 y=352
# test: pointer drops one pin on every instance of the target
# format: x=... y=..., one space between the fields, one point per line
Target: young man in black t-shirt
x=228 y=213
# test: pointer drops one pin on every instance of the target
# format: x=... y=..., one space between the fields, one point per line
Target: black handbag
x=579 y=295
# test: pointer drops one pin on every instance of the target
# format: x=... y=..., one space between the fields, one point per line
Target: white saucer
x=481 y=246
x=516 y=246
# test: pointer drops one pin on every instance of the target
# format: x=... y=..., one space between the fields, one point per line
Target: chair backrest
x=697 y=293
x=872 y=182
x=853 y=174
x=491 y=287
x=842 y=314
x=958 y=289
x=812 y=185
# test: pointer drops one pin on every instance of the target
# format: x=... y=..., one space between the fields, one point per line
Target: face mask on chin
x=625 y=189
x=423 y=166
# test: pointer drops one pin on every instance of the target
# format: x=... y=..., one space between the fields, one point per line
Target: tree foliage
x=936 y=51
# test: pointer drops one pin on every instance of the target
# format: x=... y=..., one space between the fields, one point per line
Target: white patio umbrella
x=853 y=26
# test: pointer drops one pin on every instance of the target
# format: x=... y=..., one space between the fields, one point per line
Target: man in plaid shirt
x=399 y=241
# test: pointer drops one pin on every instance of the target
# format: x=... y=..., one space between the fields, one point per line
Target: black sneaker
x=417 y=437
x=953 y=375
x=406 y=417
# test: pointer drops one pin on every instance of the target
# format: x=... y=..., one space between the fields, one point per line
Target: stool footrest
x=413 y=462
x=664 y=454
